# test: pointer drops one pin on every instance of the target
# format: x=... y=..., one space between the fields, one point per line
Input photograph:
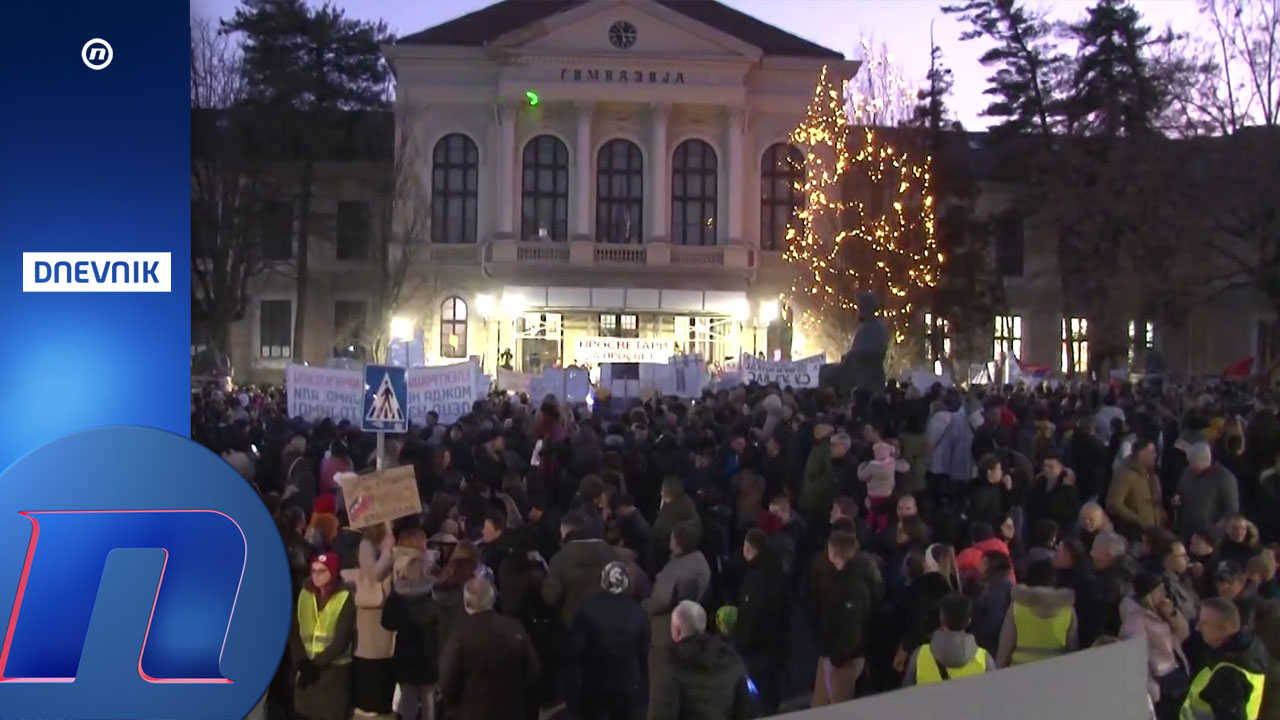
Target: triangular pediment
x=626 y=28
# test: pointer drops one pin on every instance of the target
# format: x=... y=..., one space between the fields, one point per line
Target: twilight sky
x=903 y=25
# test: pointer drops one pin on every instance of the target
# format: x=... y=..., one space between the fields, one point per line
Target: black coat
x=608 y=646
x=918 y=611
x=1061 y=503
x=846 y=615
x=488 y=670
x=988 y=503
x=410 y=612
x=708 y=681
x=764 y=608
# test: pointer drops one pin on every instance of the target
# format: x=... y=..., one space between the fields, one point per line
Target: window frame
x=781 y=163
x=631 y=173
x=1007 y=338
x=707 y=203
x=271 y=237
x=453 y=324
x=272 y=350
x=444 y=165
x=356 y=248
x=1075 y=336
x=533 y=195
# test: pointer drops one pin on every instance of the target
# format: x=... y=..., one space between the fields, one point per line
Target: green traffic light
x=533 y=97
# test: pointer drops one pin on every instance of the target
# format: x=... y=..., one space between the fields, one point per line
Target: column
x=737 y=125
x=583 y=189
x=505 y=229
x=659 y=200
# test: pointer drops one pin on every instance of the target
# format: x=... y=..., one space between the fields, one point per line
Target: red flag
x=1239 y=369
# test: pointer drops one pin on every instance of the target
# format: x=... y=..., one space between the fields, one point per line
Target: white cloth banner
x=600 y=350
x=515 y=382
x=802 y=373
x=318 y=393
x=922 y=380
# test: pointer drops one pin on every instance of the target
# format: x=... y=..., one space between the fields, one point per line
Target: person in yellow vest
x=1041 y=621
x=320 y=643
x=1230 y=684
x=951 y=652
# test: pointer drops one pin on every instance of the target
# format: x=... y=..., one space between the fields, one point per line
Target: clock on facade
x=622 y=34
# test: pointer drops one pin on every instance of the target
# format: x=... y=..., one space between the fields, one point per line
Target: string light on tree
x=866 y=223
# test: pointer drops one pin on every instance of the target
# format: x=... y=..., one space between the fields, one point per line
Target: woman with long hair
x=320 y=644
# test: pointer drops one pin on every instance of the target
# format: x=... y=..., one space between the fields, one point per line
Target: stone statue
x=863 y=365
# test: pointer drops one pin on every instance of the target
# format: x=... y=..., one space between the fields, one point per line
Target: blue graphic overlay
x=143 y=567
x=201 y=565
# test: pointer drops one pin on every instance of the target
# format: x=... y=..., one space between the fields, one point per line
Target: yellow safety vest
x=317 y=627
x=927 y=668
x=1038 y=637
x=1193 y=708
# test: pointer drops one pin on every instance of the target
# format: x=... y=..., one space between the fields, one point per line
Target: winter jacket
x=818 y=490
x=410 y=612
x=950 y=650
x=574 y=575
x=764 y=608
x=845 y=618
x=1182 y=591
x=1059 y=502
x=673 y=513
x=371 y=582
x=915 y=451
x=1045 y=602
x=1228 y=691
x=488 y=670
x=1134 y=499
x=329 y=697
x=686 y=577
x=1164 y=640
x=988 y=502
x=709 y=682
x=989 y=611
x=608 y=644
x=1207 y=498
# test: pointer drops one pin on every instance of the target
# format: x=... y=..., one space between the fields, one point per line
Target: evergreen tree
x=1026 y=61
x=303 y=68
x=1115 y=91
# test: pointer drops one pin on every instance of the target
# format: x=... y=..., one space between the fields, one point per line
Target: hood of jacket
x=1245 y=650
x=587 y=554
x=704 y=652
x=953 y=649
x=1044 y=601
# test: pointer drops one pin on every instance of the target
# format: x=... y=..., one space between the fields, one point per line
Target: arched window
x=453 y=328
x=544 y=204
x=781 y=170
x=455 y=171
x=619 y=193
x=693 y=194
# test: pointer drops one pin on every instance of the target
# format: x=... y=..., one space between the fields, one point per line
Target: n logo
x=202 y=565
x=140 y=577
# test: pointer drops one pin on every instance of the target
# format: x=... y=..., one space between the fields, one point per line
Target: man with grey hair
x=488 y=667
x=1111 y=580
x=709 y=680
x=1207 y=492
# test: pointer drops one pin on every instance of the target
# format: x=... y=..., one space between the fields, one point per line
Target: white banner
x=515 y=382
x=801 y=373
x=599 y=350
x=319 y=393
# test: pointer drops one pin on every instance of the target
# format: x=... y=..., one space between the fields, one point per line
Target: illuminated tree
x=866 y=224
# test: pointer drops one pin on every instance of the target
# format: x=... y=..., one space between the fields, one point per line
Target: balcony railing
x=658 y=256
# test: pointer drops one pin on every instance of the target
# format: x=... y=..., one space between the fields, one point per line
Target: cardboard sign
x=599 y=350
x=319 y=393
x=801 y=373
x=378 y=498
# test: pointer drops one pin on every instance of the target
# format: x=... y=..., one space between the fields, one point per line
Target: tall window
x=1267 y=338
x=1142 y=334
x=453 y=328
x=1010 y=244
x=619 y=193
x=703 y=336
x=781 y=170
x=937 y=340
x=275 y=328
x=693 y=194
x=620 y=326
x=277 y=230
x=1075 y=345
x=353 y=230
x=1007 y=342
x=349 y=321
x=544 y=204
x=455 y=170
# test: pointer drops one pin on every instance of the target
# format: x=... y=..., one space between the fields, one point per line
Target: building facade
x=621 y=168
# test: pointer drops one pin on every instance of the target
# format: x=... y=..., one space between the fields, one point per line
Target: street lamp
x=484 y=305
x=401 y=328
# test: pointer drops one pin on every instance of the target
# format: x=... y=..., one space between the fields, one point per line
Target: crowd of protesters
x=715 y=558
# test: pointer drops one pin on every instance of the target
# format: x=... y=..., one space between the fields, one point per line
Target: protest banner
x=922 y=380
x=801 y=373
x=448 y=390
x=600 y=350
x=379 y=497
x=513 y=381
x=319 y=393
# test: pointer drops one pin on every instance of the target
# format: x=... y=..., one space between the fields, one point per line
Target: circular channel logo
x=97 y=54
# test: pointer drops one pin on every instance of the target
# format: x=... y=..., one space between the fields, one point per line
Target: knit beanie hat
x=726 y=619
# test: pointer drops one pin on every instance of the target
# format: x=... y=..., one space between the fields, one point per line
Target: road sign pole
x=380 y=457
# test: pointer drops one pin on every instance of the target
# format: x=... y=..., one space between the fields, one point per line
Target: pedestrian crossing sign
x=385 y=396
